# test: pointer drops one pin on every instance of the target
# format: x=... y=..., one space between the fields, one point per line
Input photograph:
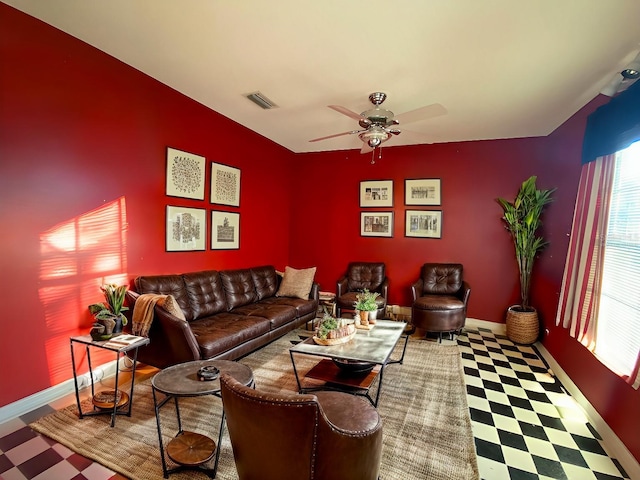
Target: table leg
x=157 y=407
x=215 y=464
x=115 y=392
x=295 y=372
x=133 y=376
x=75 y=380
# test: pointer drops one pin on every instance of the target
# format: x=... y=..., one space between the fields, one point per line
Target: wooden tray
x=333 y=341
x=365 y=327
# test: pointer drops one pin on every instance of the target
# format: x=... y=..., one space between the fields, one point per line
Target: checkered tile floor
x=525 y=425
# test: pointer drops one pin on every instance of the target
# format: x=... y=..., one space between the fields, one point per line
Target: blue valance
x=614 y=126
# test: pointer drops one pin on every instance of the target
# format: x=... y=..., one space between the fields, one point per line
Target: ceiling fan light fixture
x=374 y=142
x=632 y=71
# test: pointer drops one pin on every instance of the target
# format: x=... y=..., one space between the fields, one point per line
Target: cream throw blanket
x=143 y=313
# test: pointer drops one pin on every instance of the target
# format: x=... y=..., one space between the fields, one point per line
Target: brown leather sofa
x=361 y=275
x=325 y=436
x=228 y=314
x=440 y=298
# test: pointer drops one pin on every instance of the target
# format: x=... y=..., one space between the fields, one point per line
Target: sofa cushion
x=438 y=302
x=441 y=278
x=277 y=314
x=296 y=283
x=224 y=331
x=238 y=287
x=361 y=275
x=170 y=305
x=265 y=280
x=303 y=307
x=166 y=285
x=206 y=294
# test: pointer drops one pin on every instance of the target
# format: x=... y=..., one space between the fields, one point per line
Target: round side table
x=190 y=450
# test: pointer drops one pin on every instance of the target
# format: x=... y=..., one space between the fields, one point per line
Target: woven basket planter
x=522 y=327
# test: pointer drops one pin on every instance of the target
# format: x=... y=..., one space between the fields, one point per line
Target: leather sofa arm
x=464 y=293
x=417 y=289
x=341 y=286
x=384 y=288
x=177 y=333
x=314 y=294
x=184 y=347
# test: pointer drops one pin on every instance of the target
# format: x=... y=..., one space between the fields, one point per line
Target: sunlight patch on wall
x=77 y=256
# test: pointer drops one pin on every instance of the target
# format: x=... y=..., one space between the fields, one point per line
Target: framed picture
x=376 y=193
x=185 y=174
x=225 y=185
x=185 y=229
x=376 y=224
x=225 y=230
x=423 y=223
x=424 y=191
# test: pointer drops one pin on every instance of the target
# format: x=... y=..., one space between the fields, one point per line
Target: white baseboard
x=499 y=328
x=42 y=398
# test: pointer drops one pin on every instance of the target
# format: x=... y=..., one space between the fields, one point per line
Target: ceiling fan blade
x=350 y=113
x=422 y=113
x=336 y=135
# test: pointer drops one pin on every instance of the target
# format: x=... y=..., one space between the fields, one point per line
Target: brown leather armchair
x=361 y=275
x=440 y=298
x=326 y=436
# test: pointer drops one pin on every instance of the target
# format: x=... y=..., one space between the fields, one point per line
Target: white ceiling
x=502 y=68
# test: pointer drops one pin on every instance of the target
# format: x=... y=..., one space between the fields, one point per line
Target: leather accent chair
x=440 y=298
x=361 y=275
x=327 y=436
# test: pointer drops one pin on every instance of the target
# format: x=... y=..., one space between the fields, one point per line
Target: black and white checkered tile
x=525 y=424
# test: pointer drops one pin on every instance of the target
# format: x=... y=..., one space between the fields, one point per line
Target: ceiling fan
x=378 y=124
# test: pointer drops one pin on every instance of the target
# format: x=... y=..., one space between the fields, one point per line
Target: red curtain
x=580 y=291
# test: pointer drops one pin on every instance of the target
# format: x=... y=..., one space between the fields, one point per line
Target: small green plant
x=366 y=301
x=114 y=307
x=327 y=324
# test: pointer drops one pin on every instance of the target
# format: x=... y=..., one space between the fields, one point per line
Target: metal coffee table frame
x=182 y=381
x=372 y=346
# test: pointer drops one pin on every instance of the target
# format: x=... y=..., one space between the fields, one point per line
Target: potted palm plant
x=110 y=314
x=522 y=220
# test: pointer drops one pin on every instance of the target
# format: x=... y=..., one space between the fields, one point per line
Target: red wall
x=81 y=132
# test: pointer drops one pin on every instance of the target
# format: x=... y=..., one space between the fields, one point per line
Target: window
x=618 y=327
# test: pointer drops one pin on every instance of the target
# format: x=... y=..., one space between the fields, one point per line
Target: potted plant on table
x=522 y=220
x=366 y=306
x=110 y=314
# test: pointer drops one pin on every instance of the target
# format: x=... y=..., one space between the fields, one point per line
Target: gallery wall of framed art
x=186 y=226
x=418 y=222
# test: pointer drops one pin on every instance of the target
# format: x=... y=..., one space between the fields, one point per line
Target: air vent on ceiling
x=262 y=101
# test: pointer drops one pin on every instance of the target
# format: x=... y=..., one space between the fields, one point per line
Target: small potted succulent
x=366 y=306
x=110 y=314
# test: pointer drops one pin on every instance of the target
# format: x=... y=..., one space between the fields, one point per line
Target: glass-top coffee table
x=351 y=366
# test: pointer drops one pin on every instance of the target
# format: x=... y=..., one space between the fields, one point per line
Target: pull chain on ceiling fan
x=379 y=124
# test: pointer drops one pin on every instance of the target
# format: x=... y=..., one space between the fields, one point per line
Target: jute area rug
x=427 y=429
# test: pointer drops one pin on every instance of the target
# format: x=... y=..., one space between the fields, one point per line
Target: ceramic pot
x=97 y=331
x=373 y=316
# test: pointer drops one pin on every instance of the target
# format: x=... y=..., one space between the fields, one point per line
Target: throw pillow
x=170 y=304
x=296 y=283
